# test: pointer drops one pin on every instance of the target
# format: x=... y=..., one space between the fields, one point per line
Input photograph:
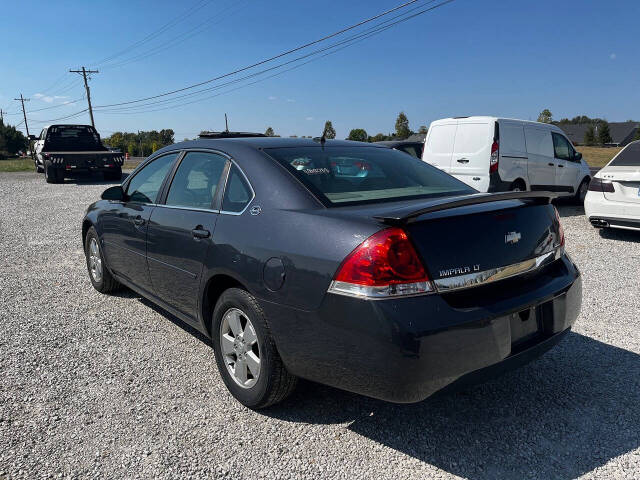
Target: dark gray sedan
x=344 y=263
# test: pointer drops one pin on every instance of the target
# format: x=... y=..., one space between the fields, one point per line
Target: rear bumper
x=609 y=213
x=405 y=350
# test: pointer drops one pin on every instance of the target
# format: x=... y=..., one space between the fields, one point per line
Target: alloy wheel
x=95 y=261
x=240 y=347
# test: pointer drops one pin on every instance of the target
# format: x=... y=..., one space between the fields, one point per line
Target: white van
x=498 y=154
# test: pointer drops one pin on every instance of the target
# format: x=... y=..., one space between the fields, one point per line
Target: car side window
x=562 y=148
x=144 y=187
x=196 y=180
x=237 y=193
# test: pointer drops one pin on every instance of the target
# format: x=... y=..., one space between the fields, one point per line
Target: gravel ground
x=110 y=387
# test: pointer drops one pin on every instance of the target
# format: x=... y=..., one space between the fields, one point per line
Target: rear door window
x=237 y=194
x=145 y=185
x=196 y=181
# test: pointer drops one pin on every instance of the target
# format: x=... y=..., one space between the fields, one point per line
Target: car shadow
x=564 y=415
x=620 y=234
x=569 y=210
x=175 y=320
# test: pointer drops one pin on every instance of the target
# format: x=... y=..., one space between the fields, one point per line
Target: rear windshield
x=354 y=175
x=72 y=138
x=628 y=157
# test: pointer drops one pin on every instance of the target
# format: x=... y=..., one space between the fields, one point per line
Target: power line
x=198 y=5
x=262 y=62
x=161 y=48
x=65 y=104
x=371 y=31
x=60 y=118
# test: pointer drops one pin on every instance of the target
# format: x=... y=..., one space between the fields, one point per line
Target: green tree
x=378 y=137
x=329 y=132
x=590 y=136
x=637 y=137
x=11 y=139
x=154 y=146
x=545 y=116
x=131 y=149
x=269 y=132
x=604 y=134
x=358 y=135
x=402 y=126
x=423 y=129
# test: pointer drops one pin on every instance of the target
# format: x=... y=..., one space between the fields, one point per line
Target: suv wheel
x=581 y=193
x=51 y=173
x=245 y=352
x=100 y=277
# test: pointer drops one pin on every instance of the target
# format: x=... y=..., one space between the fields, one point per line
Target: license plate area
x=529 y=325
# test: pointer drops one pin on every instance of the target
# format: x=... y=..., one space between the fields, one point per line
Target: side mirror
x=113 y=193
x=577 y=157
x=33 y=138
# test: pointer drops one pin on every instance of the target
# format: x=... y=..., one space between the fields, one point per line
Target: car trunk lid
x=626 y=184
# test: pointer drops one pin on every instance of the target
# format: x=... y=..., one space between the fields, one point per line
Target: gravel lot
x=111 y=387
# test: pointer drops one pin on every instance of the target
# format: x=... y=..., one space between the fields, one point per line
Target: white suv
x=497 y=154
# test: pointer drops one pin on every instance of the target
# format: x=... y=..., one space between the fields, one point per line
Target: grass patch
x=16 y=165
x=598 y=156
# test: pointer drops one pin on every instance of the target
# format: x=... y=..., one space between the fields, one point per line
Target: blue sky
x=471 y=57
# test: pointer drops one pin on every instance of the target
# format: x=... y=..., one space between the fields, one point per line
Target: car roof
x=487 y=119
x=390 y=143
x=259 y=143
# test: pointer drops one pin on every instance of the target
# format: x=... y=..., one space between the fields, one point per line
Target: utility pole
x=140 y=140
x=26 y=125
x=84 y=73
x=1 y=116
x=22 y=100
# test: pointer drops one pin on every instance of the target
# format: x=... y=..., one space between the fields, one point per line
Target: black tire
x=52 y=174
x=113 y=175
x=518 y=186
x=39 y=169
x=274 y=383
x=581 y=193
x=106 y=283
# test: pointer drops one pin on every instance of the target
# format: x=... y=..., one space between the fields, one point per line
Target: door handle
x=200 y=232
x=463 y=160
x=551 y=164
x=560 y=165
x=138 y=220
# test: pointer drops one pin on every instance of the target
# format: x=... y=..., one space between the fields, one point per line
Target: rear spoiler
x=454 y=202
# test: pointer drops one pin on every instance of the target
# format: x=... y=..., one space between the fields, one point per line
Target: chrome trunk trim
x=476 y=279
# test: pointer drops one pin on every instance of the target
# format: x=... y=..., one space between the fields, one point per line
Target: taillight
x=384 y=265
x=597 y=185
x=560 y=243
x=495 y=155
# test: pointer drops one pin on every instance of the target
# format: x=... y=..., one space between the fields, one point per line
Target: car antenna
x=226 y=123
x=323 y=138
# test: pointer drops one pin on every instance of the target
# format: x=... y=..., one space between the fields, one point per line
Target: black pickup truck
x=69 y=150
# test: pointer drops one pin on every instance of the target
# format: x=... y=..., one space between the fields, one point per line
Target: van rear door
x=438 y=147
x=472 y=152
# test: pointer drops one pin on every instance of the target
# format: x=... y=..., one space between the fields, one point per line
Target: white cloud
x=613 y=56
x=309 y=118
x=47 y=99
x=290 y=100
x=272 y=97
x=39 y=95
x=60 y=96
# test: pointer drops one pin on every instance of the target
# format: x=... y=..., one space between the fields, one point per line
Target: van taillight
x=495 y=154
x=384 y=265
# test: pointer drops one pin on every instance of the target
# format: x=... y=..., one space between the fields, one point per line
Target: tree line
x=402 y=132
x=12 y=140
x=140 y=144
x=598 y=132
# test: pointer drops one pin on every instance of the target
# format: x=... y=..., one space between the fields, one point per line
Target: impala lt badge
x=512 y=237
